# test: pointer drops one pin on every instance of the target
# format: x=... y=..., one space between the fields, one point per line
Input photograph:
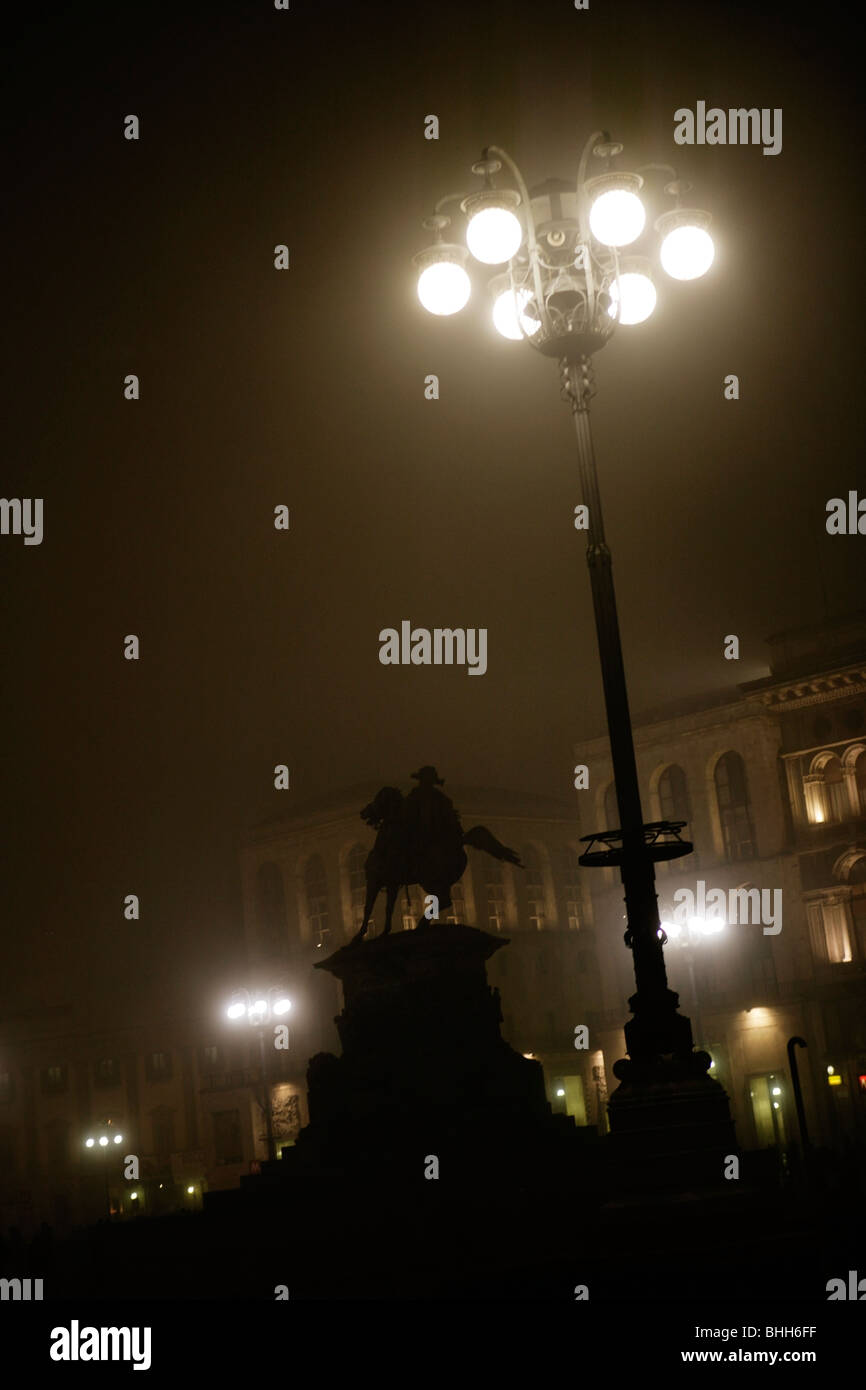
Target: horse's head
x=384 y=806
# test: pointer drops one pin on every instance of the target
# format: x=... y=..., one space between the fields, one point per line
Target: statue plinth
x=424 y=1069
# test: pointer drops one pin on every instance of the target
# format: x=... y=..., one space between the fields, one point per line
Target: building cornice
x=660 y=730
x=811 y=690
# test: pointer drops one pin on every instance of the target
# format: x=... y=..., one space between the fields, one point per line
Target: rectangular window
x=158 y=1066
x=495 y=899
x=836 y=932
x=7 y=1086
x=227 y=1136
x=829 y=927
x=210 y=1058
x=535 y=903
x=457 y=910
x=107 y=1072
x=53 y=1080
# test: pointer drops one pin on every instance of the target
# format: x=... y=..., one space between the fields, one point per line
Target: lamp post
x=102 y=1141
x=569 y=283
x=258 y=1009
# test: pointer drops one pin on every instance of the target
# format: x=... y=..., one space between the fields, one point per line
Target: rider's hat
x=428 y=774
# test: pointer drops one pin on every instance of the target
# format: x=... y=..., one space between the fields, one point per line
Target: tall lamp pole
x=568 y=285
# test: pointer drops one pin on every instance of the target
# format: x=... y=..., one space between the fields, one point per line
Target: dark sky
x=306 y=388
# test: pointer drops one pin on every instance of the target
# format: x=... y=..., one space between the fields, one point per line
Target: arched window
x=674 y=801
x=572 y=889
x=834 y=790
x=860 y=782
x=850 y=867
x=534 y=887
x=732 y=798
x=357 y=884
x=825 y=791
x=611 y=809
x=270 y=904
x=316 y=893
x=494 y=892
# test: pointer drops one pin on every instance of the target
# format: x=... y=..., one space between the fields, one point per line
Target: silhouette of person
x=430 y=814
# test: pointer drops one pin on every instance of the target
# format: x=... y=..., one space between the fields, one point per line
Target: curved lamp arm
x=583 y=217
x=449 y=198
x=531 y=238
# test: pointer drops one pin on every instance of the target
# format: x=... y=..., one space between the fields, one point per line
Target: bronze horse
x=402 y=856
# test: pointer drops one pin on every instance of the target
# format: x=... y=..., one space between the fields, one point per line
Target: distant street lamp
x=104 y=1140
x=568 y=284
x=258 y=1009
x=686 y=936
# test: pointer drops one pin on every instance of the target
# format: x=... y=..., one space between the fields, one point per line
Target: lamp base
x=671 y=1125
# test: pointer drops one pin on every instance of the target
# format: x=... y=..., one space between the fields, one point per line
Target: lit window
x=572 y=889
x=316 y=891
x=534 y=887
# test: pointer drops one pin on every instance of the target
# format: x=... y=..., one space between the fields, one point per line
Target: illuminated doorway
x=568 y=1098
x=768 y=1093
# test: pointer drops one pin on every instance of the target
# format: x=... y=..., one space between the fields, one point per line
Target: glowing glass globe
x=508 y=315
x=494 y=235
x=617 y=217
x=638 y=297
x=687 y=252
x=444 y=287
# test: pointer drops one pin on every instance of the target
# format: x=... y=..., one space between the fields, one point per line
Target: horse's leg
x=372 y=894
x=392 y=891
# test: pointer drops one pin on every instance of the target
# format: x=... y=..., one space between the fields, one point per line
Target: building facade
x=183 y=1097
x=771 y=782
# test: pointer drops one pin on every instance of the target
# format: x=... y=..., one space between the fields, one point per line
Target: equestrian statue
x=419 y=840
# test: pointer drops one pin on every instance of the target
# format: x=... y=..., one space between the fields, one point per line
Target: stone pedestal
x=424 y=1070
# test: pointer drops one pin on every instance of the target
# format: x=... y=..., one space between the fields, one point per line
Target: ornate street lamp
x=258 y=1009
x=572 y=278
x=685 y=936
x=103 y=1141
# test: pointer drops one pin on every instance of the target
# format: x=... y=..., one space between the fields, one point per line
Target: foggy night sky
x=305 y=387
